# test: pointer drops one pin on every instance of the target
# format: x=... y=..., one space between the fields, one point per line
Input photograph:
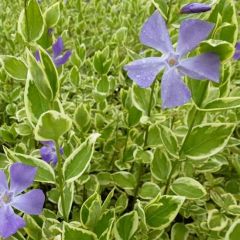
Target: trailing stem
x=61 y=180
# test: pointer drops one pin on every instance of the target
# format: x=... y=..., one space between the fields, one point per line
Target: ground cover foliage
x=111 y=161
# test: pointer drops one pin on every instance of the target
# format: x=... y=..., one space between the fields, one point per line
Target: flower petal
x=195 y=8
x=191 y=33
x=9 y=222
x=144 y=71
x=47 y=154
x=22 y=177
x=205 y=66
x=58 y=47
x=155 y=34
x=30 y=202
x=3 y=182
x=62 y=59
x=48 y=143
x=237 y=51
x=173 y=90
x=37 y=56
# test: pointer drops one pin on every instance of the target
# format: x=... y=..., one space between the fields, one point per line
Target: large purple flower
x=237 y=52
x=22 y=177
x=195 y=8
x=48 y=152
x=173 y=90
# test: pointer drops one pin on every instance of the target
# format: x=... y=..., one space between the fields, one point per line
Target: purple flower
x=48 y=152
x=58 y=57
x=195 y=8
x=22 y=177
x=57 y=48
x=173 y=90
x=236 y=55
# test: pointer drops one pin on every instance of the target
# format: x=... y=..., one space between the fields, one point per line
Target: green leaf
x=35 y=102
x=124 y=180
x=207 y=139
x=149 y=190
x=169 y=140
x=103 y=228
x=14 y=67
x=126 y=226
x=227 y=29
x=134 y=116
x=45 y=172
x=32 y=228
x=223 y=49
x=179 y=232
x=52 y=125
x=162 y=7
x=76 y=164
x=31 y=29
x=160 y=166
x=140 y=98
x=91 y=211
x=188 y=187
x=216 y=221
x=68 y=195
x=101 y=62
x=222 y=104
x=161 y=212
x=233 y=232
x=50 y=71
x=82 y=117
x=52 y=15
x=39 y=77
x=70 y=232
x=153 y=136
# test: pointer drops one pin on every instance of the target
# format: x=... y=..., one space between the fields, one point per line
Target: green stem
x=26 y=19
x=175 y=164
x=61 y=180
x=140 y=167
x=195 y=114
x=125 y=146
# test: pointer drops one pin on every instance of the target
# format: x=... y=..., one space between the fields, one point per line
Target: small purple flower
x=236 y=55
x=58 y=57
x=21 y=177
x=48 y=152
x=57 y=49
x=37 y=56
x=195 y=8
x=173 y=90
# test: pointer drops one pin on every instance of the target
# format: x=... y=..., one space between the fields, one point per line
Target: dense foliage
x=114 y=158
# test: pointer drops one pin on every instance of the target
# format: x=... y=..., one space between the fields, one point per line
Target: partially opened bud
x=195 y=8
x=237 y=52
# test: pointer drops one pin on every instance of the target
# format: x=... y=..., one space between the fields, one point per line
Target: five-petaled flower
x=58 y=57
x=48 y=152
x=21 y=177
x=195 y=8
x=236 y=55
x=173 y=90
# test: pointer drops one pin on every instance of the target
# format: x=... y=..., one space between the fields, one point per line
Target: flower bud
x=236 y=55
x=195 y=8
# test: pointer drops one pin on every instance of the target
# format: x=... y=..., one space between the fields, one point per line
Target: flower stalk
x=195 y=113
x=140 y=167
x=61 y=180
